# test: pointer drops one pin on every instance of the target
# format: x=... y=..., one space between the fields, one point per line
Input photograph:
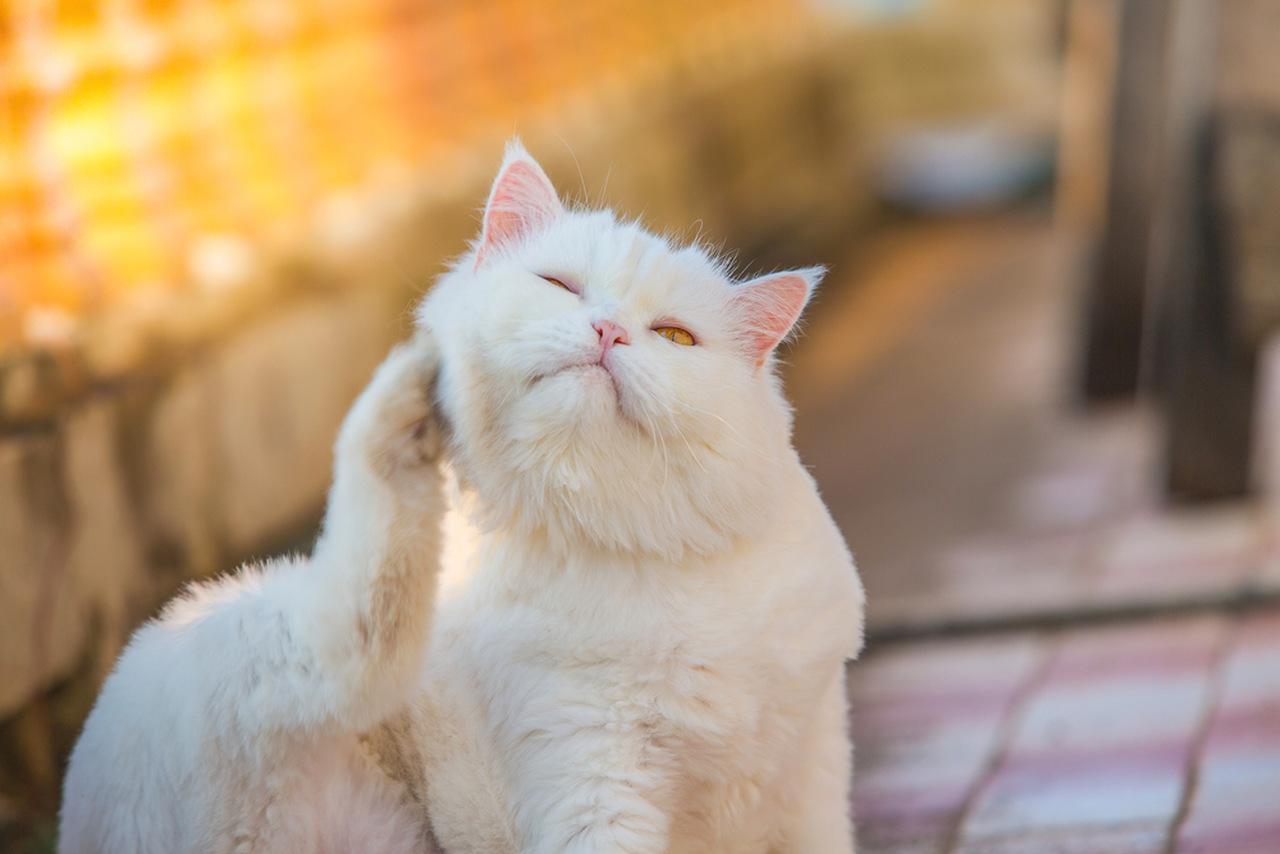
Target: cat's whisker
x=699 y=410
x=661 y=443
x=605 y=188
x=586 y=194
x=692 y=453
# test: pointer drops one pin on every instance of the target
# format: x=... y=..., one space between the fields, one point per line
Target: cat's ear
x=521 y=202
x=769 y=306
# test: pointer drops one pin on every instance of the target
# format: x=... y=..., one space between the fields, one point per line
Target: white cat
x=639 y=637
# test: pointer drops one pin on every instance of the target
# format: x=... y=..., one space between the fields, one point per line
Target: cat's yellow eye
x=553 y=280
x=676 y=334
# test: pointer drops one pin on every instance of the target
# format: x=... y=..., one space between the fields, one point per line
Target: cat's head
x=605 y=387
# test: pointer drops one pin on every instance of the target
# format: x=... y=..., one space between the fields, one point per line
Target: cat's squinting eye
x=553 y=280
x=676 y=334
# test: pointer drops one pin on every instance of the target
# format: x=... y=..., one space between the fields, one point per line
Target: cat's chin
x=584 y=387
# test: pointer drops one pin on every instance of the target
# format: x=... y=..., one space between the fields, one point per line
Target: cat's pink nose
x=610 y=333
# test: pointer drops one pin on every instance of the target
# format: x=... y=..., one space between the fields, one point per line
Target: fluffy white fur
x=640 y=631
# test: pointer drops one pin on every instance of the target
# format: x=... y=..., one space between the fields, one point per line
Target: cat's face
x=604 y=387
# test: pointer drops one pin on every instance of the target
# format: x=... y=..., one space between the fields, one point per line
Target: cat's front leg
x=375 y=564
x=597 y=784
x=818 y=819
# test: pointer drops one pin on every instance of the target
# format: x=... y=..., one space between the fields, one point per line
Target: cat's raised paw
x=392 y=425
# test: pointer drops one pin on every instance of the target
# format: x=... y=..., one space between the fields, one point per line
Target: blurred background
x=1038 y=388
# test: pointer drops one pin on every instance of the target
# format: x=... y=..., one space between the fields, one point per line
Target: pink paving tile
x=1231 y=840
x=913 y=784
x=927 y=721
x=1249 y=710
x=1111 y=714
x=1142 y=839
x=923 y=831
x=1102 y=792
x=938 y=675
x=932 y=771
x=1146 y=649
x=1105 y=740
x=1235 y=808
x=903 y=812
x=1237 y=789
x=943 y=667
x=903 y=821
x=913 y=714
x=1250 y=727
x=933 y=845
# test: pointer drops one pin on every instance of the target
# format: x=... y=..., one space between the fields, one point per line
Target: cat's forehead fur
x=620 y=264
x=623 y=250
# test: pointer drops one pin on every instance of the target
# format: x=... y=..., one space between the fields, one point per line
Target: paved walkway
x=1131 y=739
x=1059 y=663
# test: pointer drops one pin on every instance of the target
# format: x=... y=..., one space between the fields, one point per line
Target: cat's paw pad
x=392 y=424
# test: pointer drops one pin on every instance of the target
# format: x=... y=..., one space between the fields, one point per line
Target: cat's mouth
x=590 y=372
x=584 y=368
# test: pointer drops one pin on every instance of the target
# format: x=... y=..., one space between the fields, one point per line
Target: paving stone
x=1238 y=787
x=1105 y=740
x=1096 y=759
x=1171 y=647
x=913 y=778
x=927 y=720
x=1099 y=791
x=1232 y=840
x=934 y=844
x=920 y=830
x=1113 y=714
x=938 y=667
x=1235 y=808
x=1149 y=839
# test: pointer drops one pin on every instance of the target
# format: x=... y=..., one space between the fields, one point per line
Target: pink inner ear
x=771 y=305
x=522 y=201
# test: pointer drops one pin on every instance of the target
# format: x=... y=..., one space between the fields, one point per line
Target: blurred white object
x=960 y=167
x=221 y=261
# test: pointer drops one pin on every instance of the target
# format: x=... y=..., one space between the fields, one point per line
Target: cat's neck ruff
x=597 y=524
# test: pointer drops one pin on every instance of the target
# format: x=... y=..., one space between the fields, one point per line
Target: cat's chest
x=711 y=676
x=703 y=661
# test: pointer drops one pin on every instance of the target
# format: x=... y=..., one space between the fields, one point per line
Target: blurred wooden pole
x=1116 y=297
x=1202 y=368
